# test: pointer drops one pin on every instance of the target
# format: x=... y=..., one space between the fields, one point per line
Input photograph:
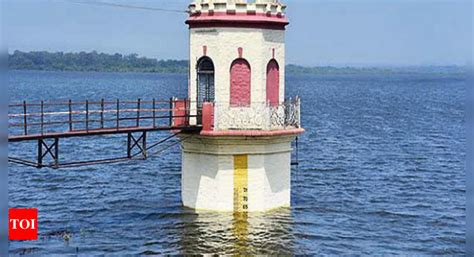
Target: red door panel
x=240 y=83
x=273 y=83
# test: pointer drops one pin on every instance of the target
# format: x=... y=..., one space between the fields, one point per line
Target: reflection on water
x=240 y=233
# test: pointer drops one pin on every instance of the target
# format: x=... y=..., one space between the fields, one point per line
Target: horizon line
x=328 y=65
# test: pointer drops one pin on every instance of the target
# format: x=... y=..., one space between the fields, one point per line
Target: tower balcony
x=261 y=117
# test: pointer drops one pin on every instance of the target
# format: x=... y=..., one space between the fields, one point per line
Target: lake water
x=382 y=171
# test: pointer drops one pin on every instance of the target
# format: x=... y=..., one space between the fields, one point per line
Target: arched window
x=205 y=81
x=273 y=83
x=240 y=77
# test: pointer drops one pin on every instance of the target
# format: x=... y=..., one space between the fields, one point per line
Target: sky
x=321 y=32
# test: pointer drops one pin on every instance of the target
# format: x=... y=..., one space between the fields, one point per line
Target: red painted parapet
x=207 y=116
x=179 y=113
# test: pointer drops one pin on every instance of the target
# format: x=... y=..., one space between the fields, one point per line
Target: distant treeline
x=102 y=62
x=453 y=69
x=92 y=61
x=296 y=69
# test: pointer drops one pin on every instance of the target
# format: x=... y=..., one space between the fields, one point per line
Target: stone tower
x=241 y=160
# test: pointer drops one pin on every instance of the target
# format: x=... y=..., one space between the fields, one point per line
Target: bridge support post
x=139 y=143
x=51 y=150
x=40 y=154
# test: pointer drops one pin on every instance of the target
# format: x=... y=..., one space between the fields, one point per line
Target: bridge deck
x=97 y=132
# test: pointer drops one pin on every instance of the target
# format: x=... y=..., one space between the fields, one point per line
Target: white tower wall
x=259 y=47
x=208 y=173
x=240 y=161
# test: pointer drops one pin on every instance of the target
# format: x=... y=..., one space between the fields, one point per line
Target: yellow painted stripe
x=241 y=183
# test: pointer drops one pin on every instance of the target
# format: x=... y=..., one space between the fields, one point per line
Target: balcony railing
x=258 y=116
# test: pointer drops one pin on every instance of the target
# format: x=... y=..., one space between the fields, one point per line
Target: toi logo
x=23 y=224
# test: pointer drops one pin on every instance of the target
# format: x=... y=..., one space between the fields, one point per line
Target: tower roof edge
x=269 y=14
x=270 y=7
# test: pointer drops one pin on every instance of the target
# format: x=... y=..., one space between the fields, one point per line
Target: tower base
x=236 y=173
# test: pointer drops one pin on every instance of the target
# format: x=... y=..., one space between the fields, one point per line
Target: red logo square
x=22 y=224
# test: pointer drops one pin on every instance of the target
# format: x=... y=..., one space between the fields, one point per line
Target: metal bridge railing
x=33 y=118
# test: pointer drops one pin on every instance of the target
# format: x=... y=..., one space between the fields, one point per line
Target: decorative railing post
x=117 y=121
x=25 y=118
x=208 y=116
x=102 y=106
x=154 y=112
x=171 y=112
x=87 y=115
x=187 y=108
x=179 y=113
x=139 y=101
x=70 y=115
x=42 y=117
x=298 y=109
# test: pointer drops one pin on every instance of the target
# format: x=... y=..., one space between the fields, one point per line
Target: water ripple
x=382 y=172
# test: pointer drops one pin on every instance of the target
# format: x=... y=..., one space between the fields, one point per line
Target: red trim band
x=253 y=133
x=237 y=20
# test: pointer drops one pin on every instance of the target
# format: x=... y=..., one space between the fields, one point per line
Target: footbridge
x=47 y=122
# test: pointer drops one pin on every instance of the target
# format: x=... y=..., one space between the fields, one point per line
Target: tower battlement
x=268 y=7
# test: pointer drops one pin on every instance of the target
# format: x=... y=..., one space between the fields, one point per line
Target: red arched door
x=273 y=83
x=240 y=83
